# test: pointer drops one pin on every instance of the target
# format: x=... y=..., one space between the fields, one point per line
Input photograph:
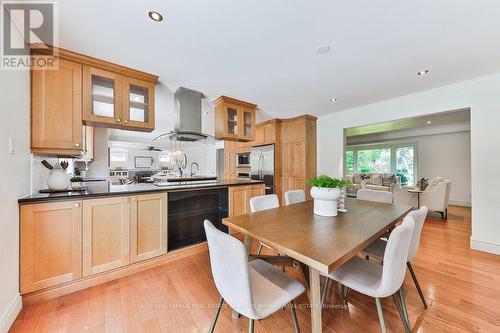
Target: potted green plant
x=325 y=191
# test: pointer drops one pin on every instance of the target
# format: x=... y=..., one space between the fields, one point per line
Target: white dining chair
x=294 y=196
x=377 y=249
x=263 y=202
x=374 y=195
x=255 y=289
x=377 y=280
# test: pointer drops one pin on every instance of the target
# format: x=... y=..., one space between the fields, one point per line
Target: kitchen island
x=74 y=240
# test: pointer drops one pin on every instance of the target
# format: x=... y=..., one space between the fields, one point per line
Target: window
x=397 y=158
x=118 y=158
x=349 y=161
x=164 y=158
x=374 y=160
x=404 y=164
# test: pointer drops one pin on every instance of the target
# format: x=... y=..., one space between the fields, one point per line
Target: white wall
x=482 y=96
x=15 y=171
x=444 y=155
x=447 y=156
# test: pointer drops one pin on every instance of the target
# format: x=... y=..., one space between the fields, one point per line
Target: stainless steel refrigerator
x=262 y=165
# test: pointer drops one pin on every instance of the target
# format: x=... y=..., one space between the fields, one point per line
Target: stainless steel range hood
x=187 y=124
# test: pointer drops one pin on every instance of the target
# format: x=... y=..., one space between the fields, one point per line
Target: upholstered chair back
x=419 y=218
x=395 y=258
x=264 y=202
x=229 y=263
x=294 y=196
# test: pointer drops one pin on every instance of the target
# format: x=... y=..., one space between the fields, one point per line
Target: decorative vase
x=341 y=200
x=58 y=179
x=325 y=200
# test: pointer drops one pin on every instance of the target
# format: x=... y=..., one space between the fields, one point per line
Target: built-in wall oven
x=243 y=160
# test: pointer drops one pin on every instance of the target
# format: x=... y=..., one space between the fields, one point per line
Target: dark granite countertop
x=105 y=189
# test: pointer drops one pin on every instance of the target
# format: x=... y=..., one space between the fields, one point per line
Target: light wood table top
x=323 y=243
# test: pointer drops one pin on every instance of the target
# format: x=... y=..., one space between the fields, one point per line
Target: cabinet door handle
x=77 y=205
x=77 y=145
x=118 y=120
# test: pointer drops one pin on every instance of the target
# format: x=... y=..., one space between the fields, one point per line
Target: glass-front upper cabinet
x=248 y=122
x=138 y=104
x=234 y=119
x=102 y=96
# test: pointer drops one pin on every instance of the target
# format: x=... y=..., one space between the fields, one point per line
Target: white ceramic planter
x=325 y=200
x=58 y=179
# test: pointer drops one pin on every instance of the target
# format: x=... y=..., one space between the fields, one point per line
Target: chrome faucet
x=197 y=168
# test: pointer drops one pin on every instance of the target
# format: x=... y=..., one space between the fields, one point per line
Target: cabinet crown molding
x=43 y=49
x=225 y=99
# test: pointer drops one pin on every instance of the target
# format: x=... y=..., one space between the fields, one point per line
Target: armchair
x=435 y=196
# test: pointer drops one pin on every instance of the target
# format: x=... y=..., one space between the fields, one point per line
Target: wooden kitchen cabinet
x=117 y=101
x=50 y=244
x=298 y=139
x=234 y=119
x=106 y=229
x=265 y=133
x=239 y=198
x=56 y=110
x=102 y=97
x=138 y=104
x=148 y=226
x=230 y=171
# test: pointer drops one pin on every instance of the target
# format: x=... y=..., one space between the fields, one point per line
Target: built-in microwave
x=243 y=160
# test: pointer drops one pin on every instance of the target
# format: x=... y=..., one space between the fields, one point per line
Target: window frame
x=392 y=145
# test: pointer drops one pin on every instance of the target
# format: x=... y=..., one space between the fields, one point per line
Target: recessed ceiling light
x=323 y=49
x=429 y=122
x=333 y=99
x=155 y=16
x=425 y=71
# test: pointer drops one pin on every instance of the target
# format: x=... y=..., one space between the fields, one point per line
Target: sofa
x=377 y=181
x=435 y=196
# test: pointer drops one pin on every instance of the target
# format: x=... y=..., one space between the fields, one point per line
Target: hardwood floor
x=462 y=288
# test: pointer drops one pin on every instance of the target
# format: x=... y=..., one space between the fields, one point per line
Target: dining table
x=318 y=244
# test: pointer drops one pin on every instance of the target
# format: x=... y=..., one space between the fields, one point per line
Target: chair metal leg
x=403 y=307
x=250 y=325
x=343 y=294
x=260 y=248
x=397 y=301
x=294 y=318
x=380 y=315
x=414 y=277
x=325 y=290
x=216 y=315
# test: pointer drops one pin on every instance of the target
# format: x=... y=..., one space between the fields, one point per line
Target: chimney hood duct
x=187 y=122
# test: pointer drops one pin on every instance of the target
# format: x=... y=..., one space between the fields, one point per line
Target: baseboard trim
x=485 y=247
x=10 y=314
x=460 y=203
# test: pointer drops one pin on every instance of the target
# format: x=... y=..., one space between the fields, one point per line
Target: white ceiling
x=264 y=51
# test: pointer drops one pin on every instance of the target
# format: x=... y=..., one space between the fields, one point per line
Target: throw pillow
x=388 y=180
x=433 y=183
x=376 y=179
x=356 y=178
x=365 y=176
x=422 y=184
